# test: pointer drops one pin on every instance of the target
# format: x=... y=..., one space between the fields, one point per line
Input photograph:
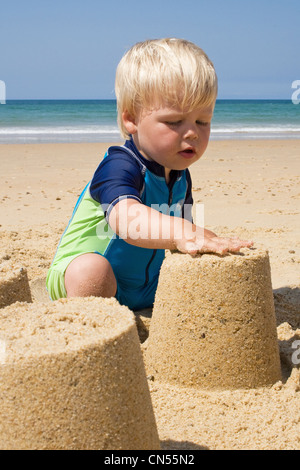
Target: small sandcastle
x=213 y=324
x=72 y=377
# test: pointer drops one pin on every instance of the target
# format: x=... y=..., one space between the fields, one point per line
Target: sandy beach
x=249 y=189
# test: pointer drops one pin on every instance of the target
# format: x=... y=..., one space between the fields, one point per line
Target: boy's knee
x=90 y=275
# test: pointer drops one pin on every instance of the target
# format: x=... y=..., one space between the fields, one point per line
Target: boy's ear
x=129 y=122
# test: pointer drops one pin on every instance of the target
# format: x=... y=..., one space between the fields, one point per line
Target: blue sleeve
x=117 y=176
x=188 y=203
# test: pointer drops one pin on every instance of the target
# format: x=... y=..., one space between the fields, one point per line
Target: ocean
x=46 y=121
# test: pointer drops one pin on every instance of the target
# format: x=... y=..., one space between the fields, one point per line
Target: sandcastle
x=213 y=324
x=72 y=377
x=14 y=285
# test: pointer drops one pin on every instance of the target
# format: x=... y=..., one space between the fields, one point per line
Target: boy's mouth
x=188 y=152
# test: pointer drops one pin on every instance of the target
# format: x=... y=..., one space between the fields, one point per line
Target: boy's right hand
x=205 y=241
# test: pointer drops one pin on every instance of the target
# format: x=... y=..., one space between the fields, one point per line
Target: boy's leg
x=90 y=275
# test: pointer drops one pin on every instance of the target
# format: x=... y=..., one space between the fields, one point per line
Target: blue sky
x=69 y=49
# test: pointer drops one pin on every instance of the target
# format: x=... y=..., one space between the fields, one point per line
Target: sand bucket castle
x=72 y=377
x=213 y=324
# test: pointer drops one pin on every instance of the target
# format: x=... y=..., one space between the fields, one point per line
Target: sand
x=250 y=189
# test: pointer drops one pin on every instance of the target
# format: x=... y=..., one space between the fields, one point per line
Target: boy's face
x=172 y=138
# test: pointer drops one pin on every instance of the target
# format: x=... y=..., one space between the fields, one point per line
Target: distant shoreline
x=75 y=121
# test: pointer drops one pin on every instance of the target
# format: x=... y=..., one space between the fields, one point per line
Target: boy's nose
x=191 y=134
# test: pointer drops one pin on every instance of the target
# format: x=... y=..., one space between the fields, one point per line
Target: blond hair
x=172 y=72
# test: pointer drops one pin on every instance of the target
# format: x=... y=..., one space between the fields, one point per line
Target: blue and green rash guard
x=123 y=173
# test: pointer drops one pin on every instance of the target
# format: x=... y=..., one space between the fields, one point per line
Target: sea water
x=43 y=121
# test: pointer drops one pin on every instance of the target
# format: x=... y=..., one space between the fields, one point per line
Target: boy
x=138 y=202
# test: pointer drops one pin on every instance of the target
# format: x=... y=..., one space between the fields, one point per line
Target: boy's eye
x=173 y=123
x=177 y=123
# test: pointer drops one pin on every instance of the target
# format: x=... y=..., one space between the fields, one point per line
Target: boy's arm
x=145 y=227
